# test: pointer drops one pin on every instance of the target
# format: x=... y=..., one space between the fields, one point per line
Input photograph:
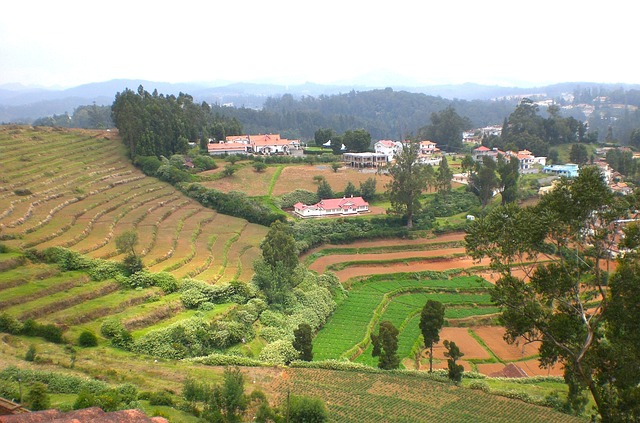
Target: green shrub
x=3 y=249
x=307 y=409
x=101 y=270
x=161 y=398
x=38 y=397
x=165 y=281
x=31 y=353
x=299 y=195
x=111 y=327
x=87 y=339
x=9 y=325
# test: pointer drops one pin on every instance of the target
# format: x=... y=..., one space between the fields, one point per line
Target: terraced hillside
x=76 y=189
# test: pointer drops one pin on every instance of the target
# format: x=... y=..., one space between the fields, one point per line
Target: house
x=363 y=160
x=482 y=151
x=570 y=170
x=428 y=148
x=388 y=148
x=228 y=148
x=333 y=207
x=266 y=144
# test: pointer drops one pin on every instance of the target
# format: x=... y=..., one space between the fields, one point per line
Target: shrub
x=148 y=164
x=101 y=270
x=3 y=249
x=9 y=325
x=87 y=339
x=165 y=281
x=307 y=409
x=140 y=279
x=279 y=352
x=31 y=353
x=161 y=398
x=49 y=332
x=111 y=327
x=38 y=398
x=299 y=195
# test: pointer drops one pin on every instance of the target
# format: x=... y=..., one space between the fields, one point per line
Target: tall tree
x=443 y=176
x=508 y=169
x=323 y=135
x=579 y=154
x=385 y=346
x=453 y=354
x=431 y=321
x=483 y=181
x=558 y=294
x=274 y=273
x=408 y=180
x=368 y=189
x=446 y=129
x=302 y=341
x=357 y=141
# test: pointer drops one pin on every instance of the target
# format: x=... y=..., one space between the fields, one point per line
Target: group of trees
x=153 y=124
x=557 y=287
x=489 y=176
x=356 y=141
x=525 y=129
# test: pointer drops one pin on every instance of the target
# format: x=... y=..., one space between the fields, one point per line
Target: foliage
x=158 y=125
x=299 y=196
x=357 y=140
x=50 y=332
x=558 y=299
x=31 y=354
x=228 y=402
x=453 y=354
x=279 y=352
x=87 y=339
x=259 y=166
x=126 y=242
x=483 y=181
x=368 y=189
x=443 y=176
x=431 y=321
x=37 y=398
x=232 y=203
x=324 y=190
x=385 y=346
x=409 y=179
x=446 y=129
x=9 y=325
x=302 y=342
x=61 y=383
x=307 y=409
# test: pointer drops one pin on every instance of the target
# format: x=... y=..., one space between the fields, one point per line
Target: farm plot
x=347 y=331
x=380 y=397
x=246 y=180
x=301 y=177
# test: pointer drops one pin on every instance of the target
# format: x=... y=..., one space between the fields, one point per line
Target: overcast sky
x=68 y=43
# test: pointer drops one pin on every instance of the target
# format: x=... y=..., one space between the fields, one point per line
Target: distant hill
x=24 y=104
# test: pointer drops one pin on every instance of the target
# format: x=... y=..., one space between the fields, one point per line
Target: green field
x=370 y=302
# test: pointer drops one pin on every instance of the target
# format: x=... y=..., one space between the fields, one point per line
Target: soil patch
x=467 y=344
x=493 y=337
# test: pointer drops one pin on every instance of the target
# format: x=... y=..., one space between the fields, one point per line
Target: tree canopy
x=561 y=248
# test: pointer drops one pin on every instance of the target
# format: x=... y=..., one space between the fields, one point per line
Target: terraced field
x=77 y=189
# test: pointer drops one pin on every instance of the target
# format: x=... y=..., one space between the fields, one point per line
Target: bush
x=148 y=164
x=87 y=339
x=9 y=325
x=299 y=195
x=165 y=281
x=161 y=398
x=49 y=332
x=31 y=353
x=101 y=270
x=38 y=398
x=307 y=409
x=111 y=327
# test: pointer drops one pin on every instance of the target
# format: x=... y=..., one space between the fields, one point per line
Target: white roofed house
x=388 y=148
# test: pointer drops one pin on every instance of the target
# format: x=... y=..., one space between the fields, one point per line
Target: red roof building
x=333 y=207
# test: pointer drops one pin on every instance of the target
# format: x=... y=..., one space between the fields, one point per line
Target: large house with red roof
x=333 y=207
x=266 y=144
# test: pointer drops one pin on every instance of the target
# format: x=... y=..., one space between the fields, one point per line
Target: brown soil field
x=246 y=180
x=438 y=265
x=323 y=262
x=463 y=339
x=492 y=336
x=301 y=177
x=532 y=368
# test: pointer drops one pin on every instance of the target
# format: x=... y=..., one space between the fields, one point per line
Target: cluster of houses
x=265 y=144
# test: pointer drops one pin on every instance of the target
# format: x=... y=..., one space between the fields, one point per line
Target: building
x=266 y=144
x=364 y=160
x=570 y=170
x=388 y=148
x=333 y=207
x=482 y=151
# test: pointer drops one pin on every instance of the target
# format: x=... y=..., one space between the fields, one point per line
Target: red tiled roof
x=387 y=143
x=482 y=148
x=335 y=203
x=228 y=146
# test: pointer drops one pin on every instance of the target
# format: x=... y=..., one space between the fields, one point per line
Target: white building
x=333 y=207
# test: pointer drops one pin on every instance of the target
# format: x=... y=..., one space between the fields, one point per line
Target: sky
x=509 y=43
